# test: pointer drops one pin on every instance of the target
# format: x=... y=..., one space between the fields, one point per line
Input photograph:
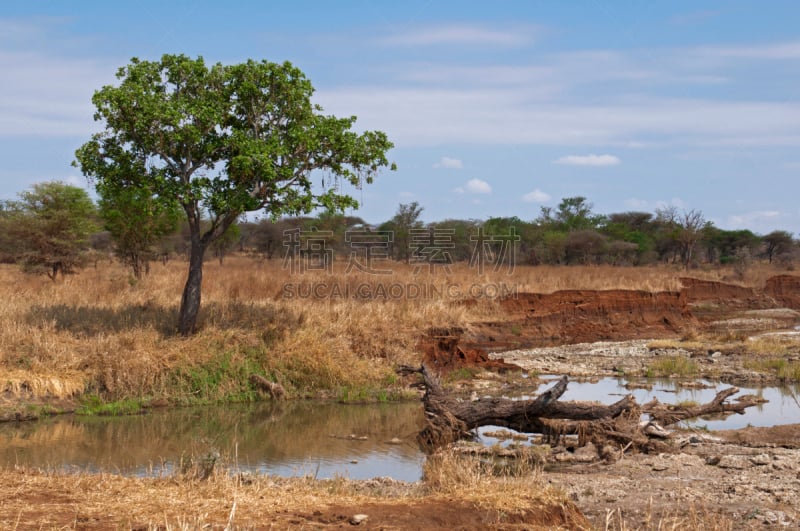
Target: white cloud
x=536 y=196
x=447 y=162
x=783 y=50
x=756 y=220
x=405 y=195
x=47 y=96
x=477 y=186
x=428 y=117
x=588 y=160
x=474 y=186
x=462 y=34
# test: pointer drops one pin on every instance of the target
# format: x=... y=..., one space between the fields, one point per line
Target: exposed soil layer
x=585 y=316
x=577 y=316
x=696 y=290
x=785 y=289
x=450 y=514
x=442 y=350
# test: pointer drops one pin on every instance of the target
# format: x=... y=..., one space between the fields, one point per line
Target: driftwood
x=619 y=424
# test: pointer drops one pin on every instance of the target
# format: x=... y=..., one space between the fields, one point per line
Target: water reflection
x=783 y=406
x=300 y=438
x=293 y=438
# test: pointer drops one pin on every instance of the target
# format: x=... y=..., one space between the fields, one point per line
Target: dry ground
x=102 y=333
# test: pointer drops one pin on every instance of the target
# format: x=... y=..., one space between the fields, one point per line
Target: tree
x=137 y=220
x=224 y=140
x=404 y=221
x=627 y=228
x=572 y=213
x=51 y=225
x=7 y=243
x=227 y=242
x=777 y=243
x=584 y=246
x=691 y=225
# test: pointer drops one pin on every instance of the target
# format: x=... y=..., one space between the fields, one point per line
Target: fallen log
x=666 y=414
x=620 y=424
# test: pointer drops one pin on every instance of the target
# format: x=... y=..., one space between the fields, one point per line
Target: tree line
x=55 y=228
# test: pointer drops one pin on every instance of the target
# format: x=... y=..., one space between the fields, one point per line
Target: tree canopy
x=222 y=140
x=50 y=227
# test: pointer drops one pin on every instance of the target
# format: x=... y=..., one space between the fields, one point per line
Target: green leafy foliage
x=223 y=140
x=137 y=222
x=49 y=228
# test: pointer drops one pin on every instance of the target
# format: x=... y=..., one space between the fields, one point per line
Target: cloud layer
x=474 y=186
x=588 y=160
x=536 y=196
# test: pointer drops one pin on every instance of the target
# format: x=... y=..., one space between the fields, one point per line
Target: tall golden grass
x=32 y=499
x=102 y=332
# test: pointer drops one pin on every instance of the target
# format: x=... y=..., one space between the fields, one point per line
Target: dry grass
x=32 y=499
x=100 y=332
x=691 y=518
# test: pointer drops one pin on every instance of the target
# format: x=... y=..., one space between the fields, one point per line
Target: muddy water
x=307 y=438
x=288 y=439
x=783 y=406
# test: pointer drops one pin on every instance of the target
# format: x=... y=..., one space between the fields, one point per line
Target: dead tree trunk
x=449 y=419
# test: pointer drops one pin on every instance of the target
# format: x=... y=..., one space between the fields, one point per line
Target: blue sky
x=495 y=108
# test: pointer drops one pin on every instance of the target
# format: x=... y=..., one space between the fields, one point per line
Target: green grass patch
x=92 y=405
x=223 y=379
x=366 y=394
x=672 y=366
x=464 y=373
x=788 y=371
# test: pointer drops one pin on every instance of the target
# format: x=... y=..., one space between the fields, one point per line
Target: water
x=308 y=438
x=287 y=439
x=783 y=406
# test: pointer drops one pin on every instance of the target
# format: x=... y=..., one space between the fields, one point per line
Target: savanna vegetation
x=316 y=301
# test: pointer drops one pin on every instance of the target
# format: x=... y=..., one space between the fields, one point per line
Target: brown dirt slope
x=583 y=316
x=442 y=349
x=785 y=289
x=577 y=316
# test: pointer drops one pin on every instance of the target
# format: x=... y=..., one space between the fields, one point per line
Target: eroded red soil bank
x=580 y=316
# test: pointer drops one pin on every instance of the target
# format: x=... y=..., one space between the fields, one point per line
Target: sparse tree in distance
x=572 y=213
x=136 y=220
x=50 y=226
x=691 y=224
x=226 y=243
x=777 y=243
x=224 y=140
x=401 y=225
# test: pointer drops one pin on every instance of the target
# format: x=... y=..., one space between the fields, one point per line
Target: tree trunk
x=449 y=419
x=190 y=301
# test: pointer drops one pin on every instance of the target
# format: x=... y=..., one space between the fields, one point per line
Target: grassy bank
x=100 y=337
x=462 y=496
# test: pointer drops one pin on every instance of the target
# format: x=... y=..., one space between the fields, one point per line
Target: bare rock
x=358 y=519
